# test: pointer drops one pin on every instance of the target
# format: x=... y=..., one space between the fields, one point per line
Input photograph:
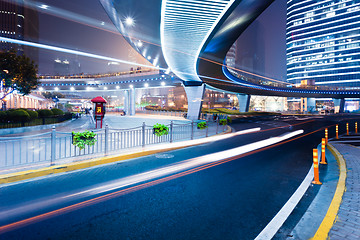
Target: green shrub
x=202 y=125
x=160 y=129
x=57 y=112
x=80 y=139
x=18 y=115
x=33 y=114
x=229 y=120
x=223 y=122
x=45 y=113
x=3 y=116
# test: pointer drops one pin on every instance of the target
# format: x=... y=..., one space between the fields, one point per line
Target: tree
x=17 y=72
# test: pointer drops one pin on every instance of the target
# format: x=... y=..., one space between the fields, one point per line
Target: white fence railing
x=48 y=148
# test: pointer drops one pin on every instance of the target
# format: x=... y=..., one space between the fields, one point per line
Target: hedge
x=57 y=112
x=45 y=113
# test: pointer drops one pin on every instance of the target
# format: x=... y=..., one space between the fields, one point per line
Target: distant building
x=323 y=42
x=231 y=57
x=19 y=22
x=250 y=54
x=61 y=67
x=11 y=24
x=65 y=67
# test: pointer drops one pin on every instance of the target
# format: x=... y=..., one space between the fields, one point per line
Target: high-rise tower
x=323 y=42
x=19 y=22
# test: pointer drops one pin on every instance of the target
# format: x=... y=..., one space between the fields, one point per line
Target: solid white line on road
x=274 y=225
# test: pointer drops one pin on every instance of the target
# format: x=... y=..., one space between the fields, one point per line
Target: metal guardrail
x=209 y=117
x=55 y=146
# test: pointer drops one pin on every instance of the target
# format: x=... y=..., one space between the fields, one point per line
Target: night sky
x=270 y=49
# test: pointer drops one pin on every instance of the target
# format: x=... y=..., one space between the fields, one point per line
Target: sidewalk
x=335 y=211
x=347 y=224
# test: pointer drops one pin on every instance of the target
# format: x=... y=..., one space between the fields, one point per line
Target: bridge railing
x=57 y=147
x=99 y=75
x=259 y=80
x=209 y=117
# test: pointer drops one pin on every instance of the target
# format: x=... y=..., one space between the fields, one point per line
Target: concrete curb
x=24 y=175
x=331 y=215
x=7 y=131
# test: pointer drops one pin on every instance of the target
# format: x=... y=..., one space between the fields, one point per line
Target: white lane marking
x=274 y=225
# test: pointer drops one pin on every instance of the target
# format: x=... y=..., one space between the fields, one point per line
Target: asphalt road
x=229 y=199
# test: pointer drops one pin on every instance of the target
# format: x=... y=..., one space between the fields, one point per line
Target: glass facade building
x=323 y=42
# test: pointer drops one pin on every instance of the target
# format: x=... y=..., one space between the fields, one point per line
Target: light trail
x=76 y=52
x=67 y=15
x=175 y=170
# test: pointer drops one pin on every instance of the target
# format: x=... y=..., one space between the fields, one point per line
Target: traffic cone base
x=316 y=182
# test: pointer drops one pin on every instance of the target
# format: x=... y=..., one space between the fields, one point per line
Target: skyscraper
x=11 y=24
x=323 y=39
x=19 y=22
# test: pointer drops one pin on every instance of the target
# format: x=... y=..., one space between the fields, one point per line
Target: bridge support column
x=126 y=102
x=195 y=95
x=308 y=105
x=339 y=105
x=132 y=102
x=244 y=102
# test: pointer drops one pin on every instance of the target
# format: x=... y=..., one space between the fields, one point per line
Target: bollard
x=337 y=131
x=347 y=129
x=316 y=167
x=326 y=136
x=323 y=151
x=356 y=127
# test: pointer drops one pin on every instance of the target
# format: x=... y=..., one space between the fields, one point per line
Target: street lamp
x=129 y=21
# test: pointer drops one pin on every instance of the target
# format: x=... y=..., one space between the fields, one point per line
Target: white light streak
x=185 y=165
x=76 y=52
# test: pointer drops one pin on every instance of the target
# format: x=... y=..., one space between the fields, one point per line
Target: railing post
x=207 y=129
x=106 y=139
x=171 y=131
x=53 y=145
x=143 y=134
x=217 y=127
x=192 y=130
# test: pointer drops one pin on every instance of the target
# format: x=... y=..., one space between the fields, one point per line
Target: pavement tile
x=348 y=224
